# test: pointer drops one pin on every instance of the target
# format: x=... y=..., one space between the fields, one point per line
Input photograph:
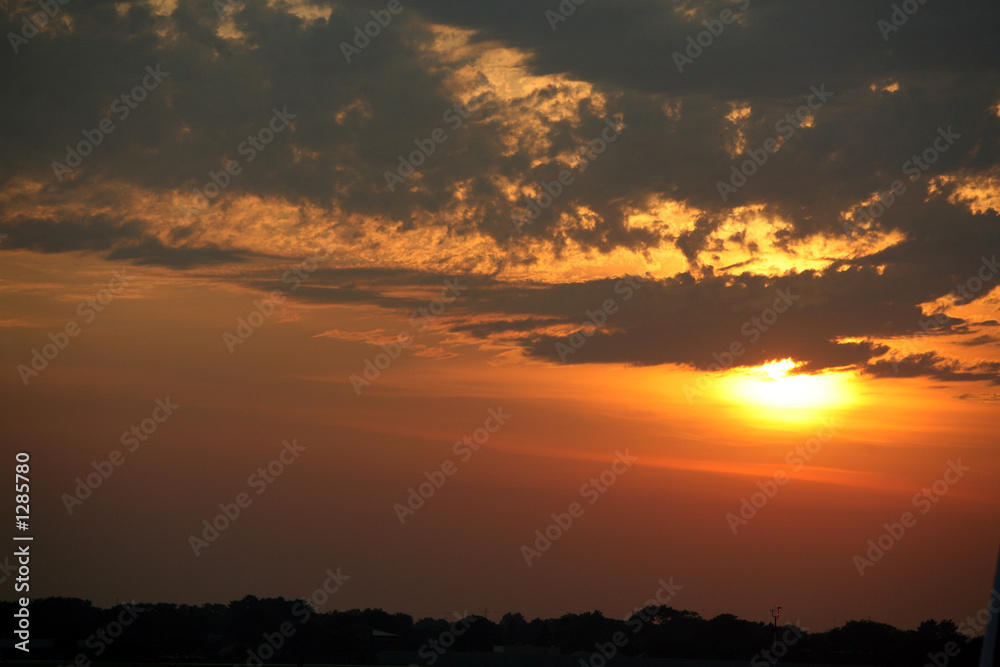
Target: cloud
x=985 y=398
x=547 y=95
x=92 y=233
x=536 y=100
x=933 y=365
x=151 y=251
x=831 y=320
x=983 y=339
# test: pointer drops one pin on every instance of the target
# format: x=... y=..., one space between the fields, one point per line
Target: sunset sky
x=717 y=280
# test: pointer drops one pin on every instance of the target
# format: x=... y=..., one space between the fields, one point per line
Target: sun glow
x=796 y=396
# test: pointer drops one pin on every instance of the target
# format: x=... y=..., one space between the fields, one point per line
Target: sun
x=791 y=396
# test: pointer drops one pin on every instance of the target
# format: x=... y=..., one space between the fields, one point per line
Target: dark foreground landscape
x=254 y=632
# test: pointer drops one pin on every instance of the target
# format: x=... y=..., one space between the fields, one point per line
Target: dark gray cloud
x=219 y=92
x=347 y=123
x=151 y=251
x=115 y=239
x=684 y=320
x=982 y=339
x=91 y=233
x=933 y=365
x=985 y=398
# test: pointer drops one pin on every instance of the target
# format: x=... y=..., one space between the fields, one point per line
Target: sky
x=506 y=306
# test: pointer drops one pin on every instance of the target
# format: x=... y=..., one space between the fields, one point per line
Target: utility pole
x=775 y=613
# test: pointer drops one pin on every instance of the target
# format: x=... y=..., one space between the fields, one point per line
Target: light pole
x=775 y=613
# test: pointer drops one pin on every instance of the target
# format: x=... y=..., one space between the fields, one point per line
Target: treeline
x=255 y=631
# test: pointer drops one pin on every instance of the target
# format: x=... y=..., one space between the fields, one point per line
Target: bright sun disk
x=770 y=385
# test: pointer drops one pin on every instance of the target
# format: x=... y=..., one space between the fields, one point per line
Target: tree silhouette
x=217 y=633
